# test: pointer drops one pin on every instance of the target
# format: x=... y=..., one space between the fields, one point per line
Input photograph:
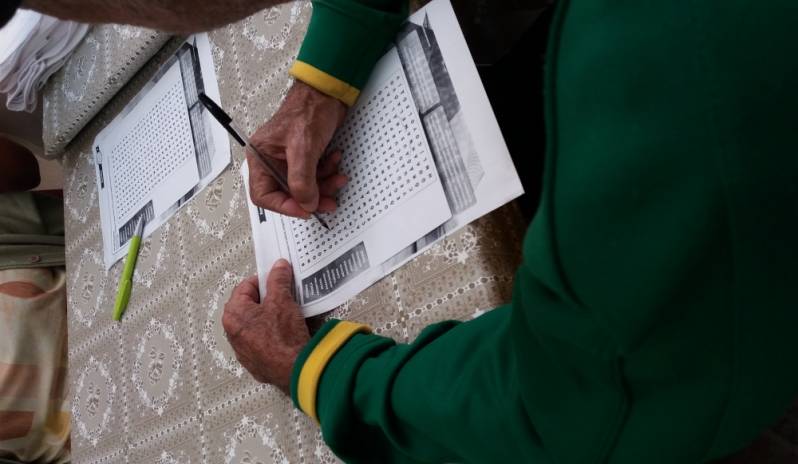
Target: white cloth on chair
x=32 y=47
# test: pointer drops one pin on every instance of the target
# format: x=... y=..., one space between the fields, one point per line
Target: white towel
x=32 y=47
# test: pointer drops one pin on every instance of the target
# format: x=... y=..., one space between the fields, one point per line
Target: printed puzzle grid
x=387 y=159
x=164 y=385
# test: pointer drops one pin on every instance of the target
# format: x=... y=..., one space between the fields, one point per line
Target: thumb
x=280 y=280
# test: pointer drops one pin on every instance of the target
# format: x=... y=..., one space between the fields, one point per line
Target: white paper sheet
x=161 y=150
x=14 y=34
x=447 y=108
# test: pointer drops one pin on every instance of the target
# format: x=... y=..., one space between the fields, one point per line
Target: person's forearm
x=344 y=41
x=443 y=398
x=179 y=16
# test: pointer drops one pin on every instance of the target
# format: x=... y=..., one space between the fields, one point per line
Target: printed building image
x=439 y=108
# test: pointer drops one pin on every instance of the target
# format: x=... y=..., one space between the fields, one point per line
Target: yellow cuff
x=314 y=366
x=324 y=82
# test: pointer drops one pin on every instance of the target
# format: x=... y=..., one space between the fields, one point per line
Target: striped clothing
x=34 y=417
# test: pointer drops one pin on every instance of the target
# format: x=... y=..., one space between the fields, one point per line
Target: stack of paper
x=424 y=155
x=161 y=150
x=33 y=47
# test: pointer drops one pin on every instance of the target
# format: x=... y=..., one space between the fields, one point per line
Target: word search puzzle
x=424 y=156
x=387 y=159
x=160 y=150
x=133 y=168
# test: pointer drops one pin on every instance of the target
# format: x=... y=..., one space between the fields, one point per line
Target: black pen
x=227 y=122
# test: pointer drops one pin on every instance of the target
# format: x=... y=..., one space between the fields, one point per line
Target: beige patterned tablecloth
x=164 y=385
x=104 y=61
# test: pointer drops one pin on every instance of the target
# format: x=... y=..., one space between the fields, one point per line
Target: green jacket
x=654 y=314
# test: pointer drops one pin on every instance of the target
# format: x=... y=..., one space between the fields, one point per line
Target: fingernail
x=282 y=263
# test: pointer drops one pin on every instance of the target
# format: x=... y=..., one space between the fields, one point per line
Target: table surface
x=164 y=385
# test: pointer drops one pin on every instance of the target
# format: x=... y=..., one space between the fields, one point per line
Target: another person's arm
x=178 y=16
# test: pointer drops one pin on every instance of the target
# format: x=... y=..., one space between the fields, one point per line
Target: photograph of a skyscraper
x=439 y=107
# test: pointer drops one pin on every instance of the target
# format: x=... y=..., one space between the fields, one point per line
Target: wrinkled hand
x=267 y=336
x=296 y=138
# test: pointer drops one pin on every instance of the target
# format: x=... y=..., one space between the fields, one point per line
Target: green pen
x=126 y=280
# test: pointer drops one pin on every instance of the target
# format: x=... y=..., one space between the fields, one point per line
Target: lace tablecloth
x=103 y=62
x=164 y=385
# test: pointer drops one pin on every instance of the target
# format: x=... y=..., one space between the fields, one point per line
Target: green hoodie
x=654 y=313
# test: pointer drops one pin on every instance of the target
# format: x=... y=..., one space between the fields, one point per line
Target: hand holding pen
x=293 y=142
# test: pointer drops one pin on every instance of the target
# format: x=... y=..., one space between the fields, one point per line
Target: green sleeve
x=653 y=315
x=344 y=41
x=447 y=397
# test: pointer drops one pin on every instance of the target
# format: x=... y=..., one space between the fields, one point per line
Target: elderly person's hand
x=267 y=336
x=296 y=138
